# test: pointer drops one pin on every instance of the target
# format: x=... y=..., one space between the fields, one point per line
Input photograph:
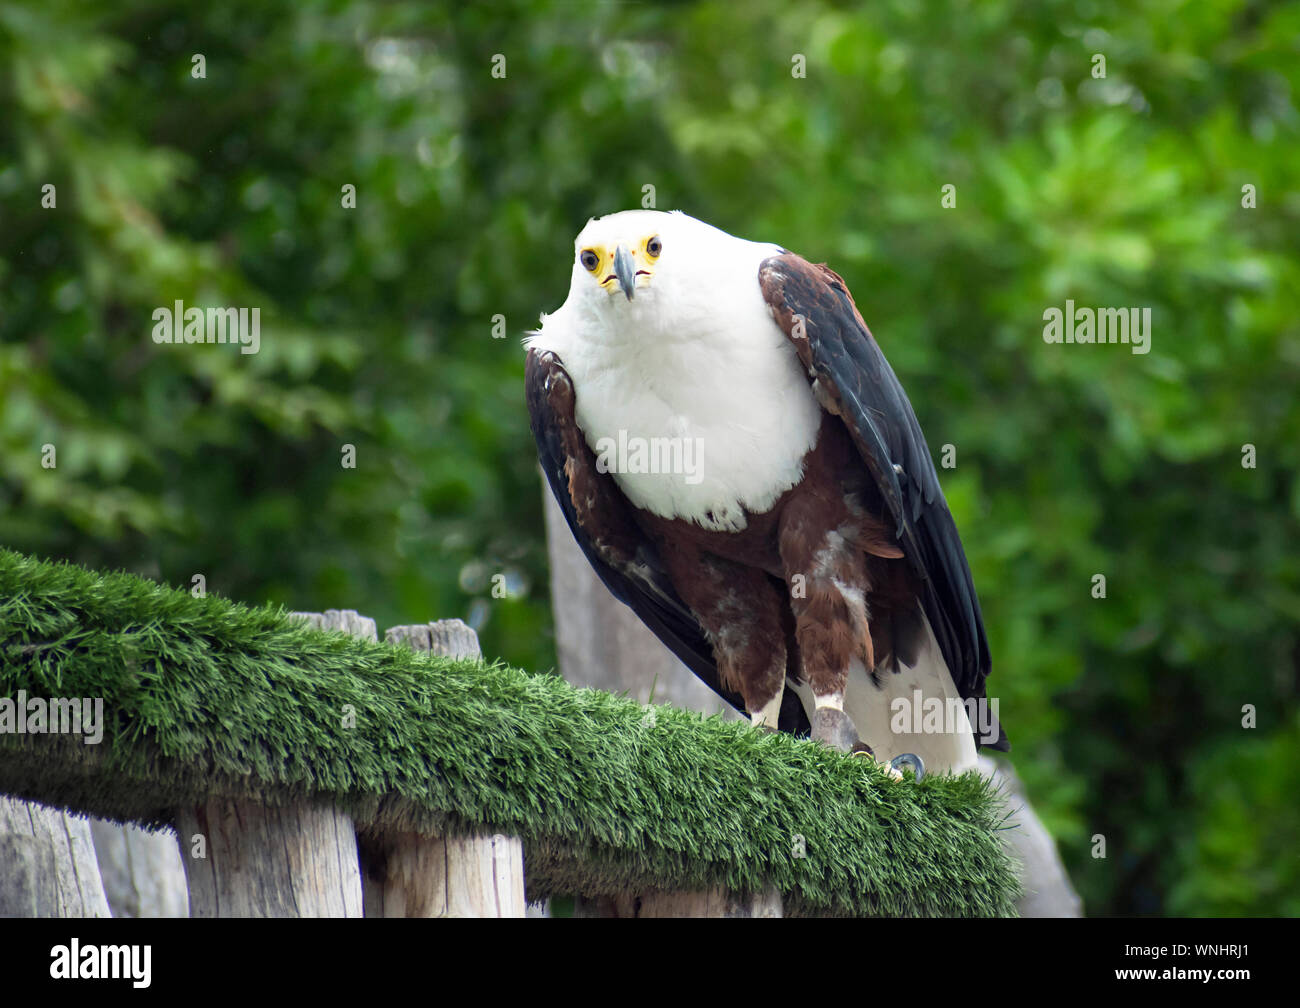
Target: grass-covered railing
x=206 y=698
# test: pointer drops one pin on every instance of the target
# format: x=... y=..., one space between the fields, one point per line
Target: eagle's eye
x=589 y=260
x=653 y=247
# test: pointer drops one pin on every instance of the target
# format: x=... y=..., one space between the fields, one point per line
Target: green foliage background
x=377 y=330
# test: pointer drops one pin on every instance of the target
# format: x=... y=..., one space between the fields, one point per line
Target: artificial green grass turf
x=204 y=697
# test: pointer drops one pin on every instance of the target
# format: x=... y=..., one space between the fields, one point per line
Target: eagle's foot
x=860 y=748
x=835 y=729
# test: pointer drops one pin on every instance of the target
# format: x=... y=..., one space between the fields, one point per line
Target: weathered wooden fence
x=240 y=858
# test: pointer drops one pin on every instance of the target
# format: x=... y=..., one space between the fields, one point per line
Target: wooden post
x=246 y=859
x=260 y=861
x=450 y=638
x=47 y=863
x=412 y=875
x=142 y=871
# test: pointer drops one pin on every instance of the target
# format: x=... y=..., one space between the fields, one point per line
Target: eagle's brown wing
x=852 y=378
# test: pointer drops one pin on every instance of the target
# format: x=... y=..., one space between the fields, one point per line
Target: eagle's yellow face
x=622 y=265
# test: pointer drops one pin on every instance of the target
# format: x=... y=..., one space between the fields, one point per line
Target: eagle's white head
x=649 y=275
x=649 y=250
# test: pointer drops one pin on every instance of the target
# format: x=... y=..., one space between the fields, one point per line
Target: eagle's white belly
x=699 y=431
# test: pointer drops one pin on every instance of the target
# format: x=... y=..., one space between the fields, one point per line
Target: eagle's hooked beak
x=625 y=270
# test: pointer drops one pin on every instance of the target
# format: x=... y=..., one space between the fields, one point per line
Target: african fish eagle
x=740 y=465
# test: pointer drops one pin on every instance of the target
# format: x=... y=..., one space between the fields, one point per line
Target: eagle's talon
x=835 y=729
x=908 y=759
x=861 y=749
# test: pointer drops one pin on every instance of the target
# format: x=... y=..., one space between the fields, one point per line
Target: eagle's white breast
x=697 y=359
